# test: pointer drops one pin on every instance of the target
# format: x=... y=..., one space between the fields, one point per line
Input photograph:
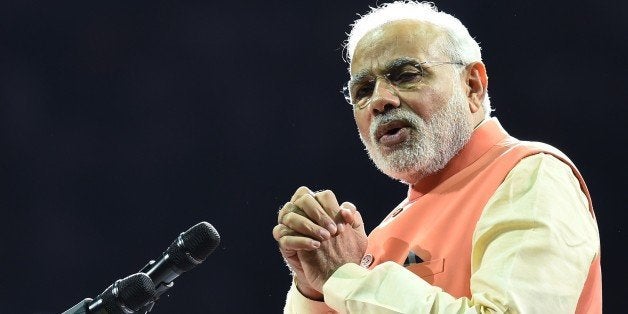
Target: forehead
x=394 y=40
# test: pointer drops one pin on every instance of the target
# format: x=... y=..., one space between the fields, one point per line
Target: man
x=490 y=223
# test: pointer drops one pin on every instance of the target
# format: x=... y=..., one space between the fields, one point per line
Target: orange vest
x=437 y=220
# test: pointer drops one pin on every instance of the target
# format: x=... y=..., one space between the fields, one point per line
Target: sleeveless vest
x=432 y=229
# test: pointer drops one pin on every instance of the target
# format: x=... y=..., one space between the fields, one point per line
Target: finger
x=298 y=243
x=346 y=212
x=315 y=212
x=348 y=205
x=327 y=200
x=286 y=208
x=358 y=222
x=351 y=215
x=290 y=207
x=304 y=226
x=281 y=230
x=302 y=190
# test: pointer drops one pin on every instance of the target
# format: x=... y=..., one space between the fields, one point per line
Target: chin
x=399 y=168
x=411 y=163
x=409 y=177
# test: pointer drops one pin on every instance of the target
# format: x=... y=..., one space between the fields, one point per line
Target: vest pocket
x=428 y=268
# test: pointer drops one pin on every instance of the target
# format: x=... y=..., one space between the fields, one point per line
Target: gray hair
x=457 y=42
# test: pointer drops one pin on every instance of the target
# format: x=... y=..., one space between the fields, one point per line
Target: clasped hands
x=316 y=236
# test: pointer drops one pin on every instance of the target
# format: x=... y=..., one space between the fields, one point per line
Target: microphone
x=124 y=296
x=187 y=251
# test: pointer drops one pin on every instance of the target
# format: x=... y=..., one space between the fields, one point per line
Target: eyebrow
x=393 y=64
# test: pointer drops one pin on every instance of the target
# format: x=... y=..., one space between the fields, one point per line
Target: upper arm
x=535 y=240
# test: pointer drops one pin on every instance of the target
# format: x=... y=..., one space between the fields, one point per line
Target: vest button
x=367 y=260
x=397 y=211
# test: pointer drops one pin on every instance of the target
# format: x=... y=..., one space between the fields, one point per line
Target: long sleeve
x=532 y=248
x=297 y=303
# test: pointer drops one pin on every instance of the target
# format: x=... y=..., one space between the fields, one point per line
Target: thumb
x=351 y=215
x=349 y=206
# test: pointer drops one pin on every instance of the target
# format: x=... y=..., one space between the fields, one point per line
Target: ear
x=477 y=84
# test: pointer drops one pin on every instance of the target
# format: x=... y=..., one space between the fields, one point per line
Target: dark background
x=123 y=124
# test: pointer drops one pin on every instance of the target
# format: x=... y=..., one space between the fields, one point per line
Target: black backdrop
x=123 y=124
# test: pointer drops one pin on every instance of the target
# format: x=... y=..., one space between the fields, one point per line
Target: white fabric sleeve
x=298 y=303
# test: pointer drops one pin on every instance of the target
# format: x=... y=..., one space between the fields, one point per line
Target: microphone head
x=130 y=293
x=200 y=240
x=193 y=246
x=136 y=290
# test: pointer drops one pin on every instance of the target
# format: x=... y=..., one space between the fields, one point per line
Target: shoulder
x=546 y=174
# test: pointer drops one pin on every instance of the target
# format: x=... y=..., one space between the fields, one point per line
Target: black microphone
x=124 y=296
x=188 y=250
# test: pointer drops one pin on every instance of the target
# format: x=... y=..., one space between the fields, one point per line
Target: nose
x=385 y=97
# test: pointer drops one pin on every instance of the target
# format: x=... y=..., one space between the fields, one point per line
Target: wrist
x=308 y=291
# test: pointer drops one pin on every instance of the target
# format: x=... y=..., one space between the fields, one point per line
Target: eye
x=407 y=75
x=363 y=90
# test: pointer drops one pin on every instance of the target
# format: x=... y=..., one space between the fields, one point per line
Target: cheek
x=363 y=122
x=428 y=102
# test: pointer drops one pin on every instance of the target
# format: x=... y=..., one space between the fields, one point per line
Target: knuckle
x=285 y=231
x=327 y=194
x=327 y=197
x=349 y=205
x=291 y=206
x=284 y=244
x=287 y=242
x=300 y=191
x=311 y=229
x=303 y=189
x=277 y=233
x=293 y=219
x=283 y=211
x=285 y=206
x=288 y=218
x=302 y=200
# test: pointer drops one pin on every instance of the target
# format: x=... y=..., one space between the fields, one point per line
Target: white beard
x=431 y=143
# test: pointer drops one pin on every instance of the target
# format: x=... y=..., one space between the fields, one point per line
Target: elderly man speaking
x=490 y=224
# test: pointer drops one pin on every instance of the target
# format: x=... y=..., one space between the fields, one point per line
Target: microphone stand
x=80 y=308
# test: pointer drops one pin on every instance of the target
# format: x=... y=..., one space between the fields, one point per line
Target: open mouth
x=392 y=132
